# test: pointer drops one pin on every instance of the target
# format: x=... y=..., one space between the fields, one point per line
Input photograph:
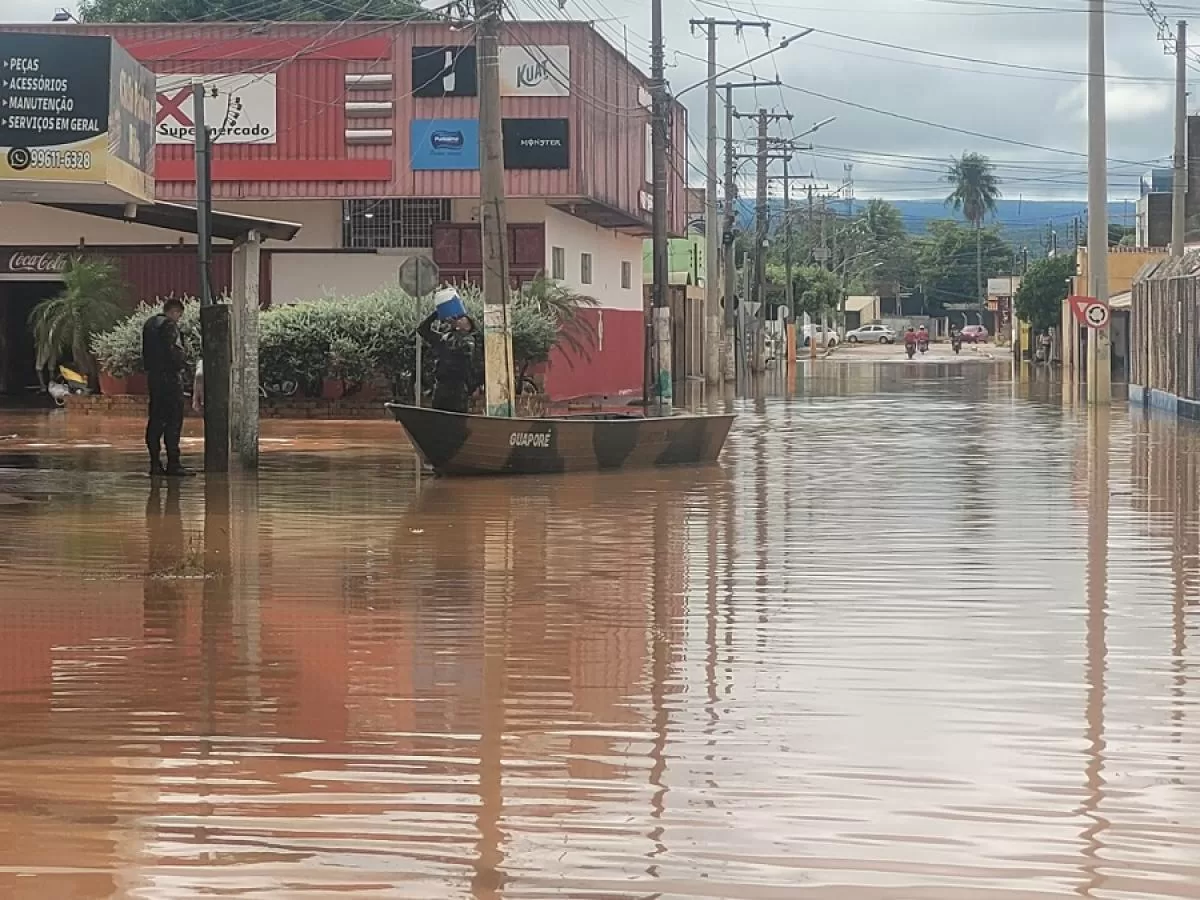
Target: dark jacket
x=162 y=348
x=456 y=355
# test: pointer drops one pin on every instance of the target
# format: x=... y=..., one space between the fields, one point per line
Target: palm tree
x=88 y=304
x=562 y=305
x=976 y=190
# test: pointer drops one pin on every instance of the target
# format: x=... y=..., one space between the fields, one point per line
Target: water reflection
x=921 y=635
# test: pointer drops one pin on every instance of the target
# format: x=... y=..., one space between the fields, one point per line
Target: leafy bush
x=119 y=350
x=353 y=339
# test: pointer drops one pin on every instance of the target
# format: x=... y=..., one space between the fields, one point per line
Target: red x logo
x=172 y=106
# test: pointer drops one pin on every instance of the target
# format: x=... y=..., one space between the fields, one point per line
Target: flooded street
x=923 y=634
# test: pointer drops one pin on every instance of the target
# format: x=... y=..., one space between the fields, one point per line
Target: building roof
x=859 y=302
x=177 y=217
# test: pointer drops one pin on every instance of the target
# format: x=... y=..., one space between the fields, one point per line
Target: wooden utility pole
x=760 y=248
x=214 y=317
x=713 y=362
x=497 y=329
x=659 y=121
x=763 y=157
x=731 y=156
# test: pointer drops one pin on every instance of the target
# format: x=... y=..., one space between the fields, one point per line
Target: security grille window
x=377 y=224
x=626 y=275
x=585 y=268
x=558 y=263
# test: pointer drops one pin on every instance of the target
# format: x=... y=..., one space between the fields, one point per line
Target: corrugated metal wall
x=311 y=60
x=154 y=272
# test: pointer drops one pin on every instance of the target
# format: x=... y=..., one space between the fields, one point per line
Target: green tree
x=816 y=291
x=975 y=190
x=950 y=259
x=89 y=303
x=892 y=260
x=881 y=223
x=1043 y=289
x=244 y=11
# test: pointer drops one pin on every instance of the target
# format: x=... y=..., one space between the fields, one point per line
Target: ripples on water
x=920 y=636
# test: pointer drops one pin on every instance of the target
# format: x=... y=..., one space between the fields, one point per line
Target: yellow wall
x=1123 y=265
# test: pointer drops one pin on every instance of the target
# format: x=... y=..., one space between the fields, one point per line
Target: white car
x=871 y=334
x=826 y=337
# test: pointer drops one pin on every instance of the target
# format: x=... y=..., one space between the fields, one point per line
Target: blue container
x=449 y=304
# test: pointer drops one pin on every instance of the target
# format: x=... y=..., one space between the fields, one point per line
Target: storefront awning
x=177 y=217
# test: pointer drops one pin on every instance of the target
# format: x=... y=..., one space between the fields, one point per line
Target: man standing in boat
x=455 y=371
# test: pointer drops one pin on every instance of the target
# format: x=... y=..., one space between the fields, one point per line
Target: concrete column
x=243 y=398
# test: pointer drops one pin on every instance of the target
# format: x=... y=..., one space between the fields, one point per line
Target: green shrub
x=119 y=350
x=353 y=339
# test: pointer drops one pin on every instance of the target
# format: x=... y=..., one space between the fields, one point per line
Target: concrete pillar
x=243 y=398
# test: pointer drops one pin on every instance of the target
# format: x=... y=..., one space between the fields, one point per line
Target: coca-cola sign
x=34 y=262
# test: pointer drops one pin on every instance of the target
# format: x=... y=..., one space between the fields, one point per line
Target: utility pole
x=762 y=156
x=497 y=329
x=1099 y=374
x=660 y=113
x=1179 y=163
x=731 y=155
x=216 y=349
x=760 y=244
x=787 y=148
x=713 y=368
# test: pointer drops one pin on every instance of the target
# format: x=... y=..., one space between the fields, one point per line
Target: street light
x=815 y=127
x=64 y=15
x=745 y=62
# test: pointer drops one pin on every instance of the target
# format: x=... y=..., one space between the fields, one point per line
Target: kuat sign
x=1090 y=312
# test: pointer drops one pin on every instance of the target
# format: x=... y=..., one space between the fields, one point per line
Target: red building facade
x=366 y=134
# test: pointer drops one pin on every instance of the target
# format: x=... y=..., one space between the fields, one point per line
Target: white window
x=626 y=275
x=558 y=263
x=585 y=268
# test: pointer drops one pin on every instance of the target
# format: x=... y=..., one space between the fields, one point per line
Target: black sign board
x=131 y=107
x=53 y=90
x=536 y=144
x=444 y=71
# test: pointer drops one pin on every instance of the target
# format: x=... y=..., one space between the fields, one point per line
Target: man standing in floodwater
x=455 y=371
x=164 y=360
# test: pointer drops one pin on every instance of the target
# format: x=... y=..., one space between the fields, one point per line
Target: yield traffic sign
x=1090 y=312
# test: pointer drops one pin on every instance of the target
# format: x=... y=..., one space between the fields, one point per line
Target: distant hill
x=1022 y=221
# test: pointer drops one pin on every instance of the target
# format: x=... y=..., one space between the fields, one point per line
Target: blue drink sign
x=441 y=145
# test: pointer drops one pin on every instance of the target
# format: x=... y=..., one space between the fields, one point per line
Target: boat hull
x=462 y=444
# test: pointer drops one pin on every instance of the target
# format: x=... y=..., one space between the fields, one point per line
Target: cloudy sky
x=862 y=52
x=1004 y=70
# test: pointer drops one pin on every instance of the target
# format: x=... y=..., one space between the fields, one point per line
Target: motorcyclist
x=910 y=341
x=922 y=339
x=955 y=338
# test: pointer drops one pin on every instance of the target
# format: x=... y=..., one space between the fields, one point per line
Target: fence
x=1164 y=330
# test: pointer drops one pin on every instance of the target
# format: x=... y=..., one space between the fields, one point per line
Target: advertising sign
x=33 y=262
x=536 y=144
x=131 y=124
x=74 y=110
x=442 y=145
x=535 y=71
x=238 y=109
x=444 y=71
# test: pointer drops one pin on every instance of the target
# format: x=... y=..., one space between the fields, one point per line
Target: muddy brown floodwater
x=923 y=634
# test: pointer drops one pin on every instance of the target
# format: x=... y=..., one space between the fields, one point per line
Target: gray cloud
x=1039 y=108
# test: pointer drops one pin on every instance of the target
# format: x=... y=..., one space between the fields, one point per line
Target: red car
x=974 y=334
